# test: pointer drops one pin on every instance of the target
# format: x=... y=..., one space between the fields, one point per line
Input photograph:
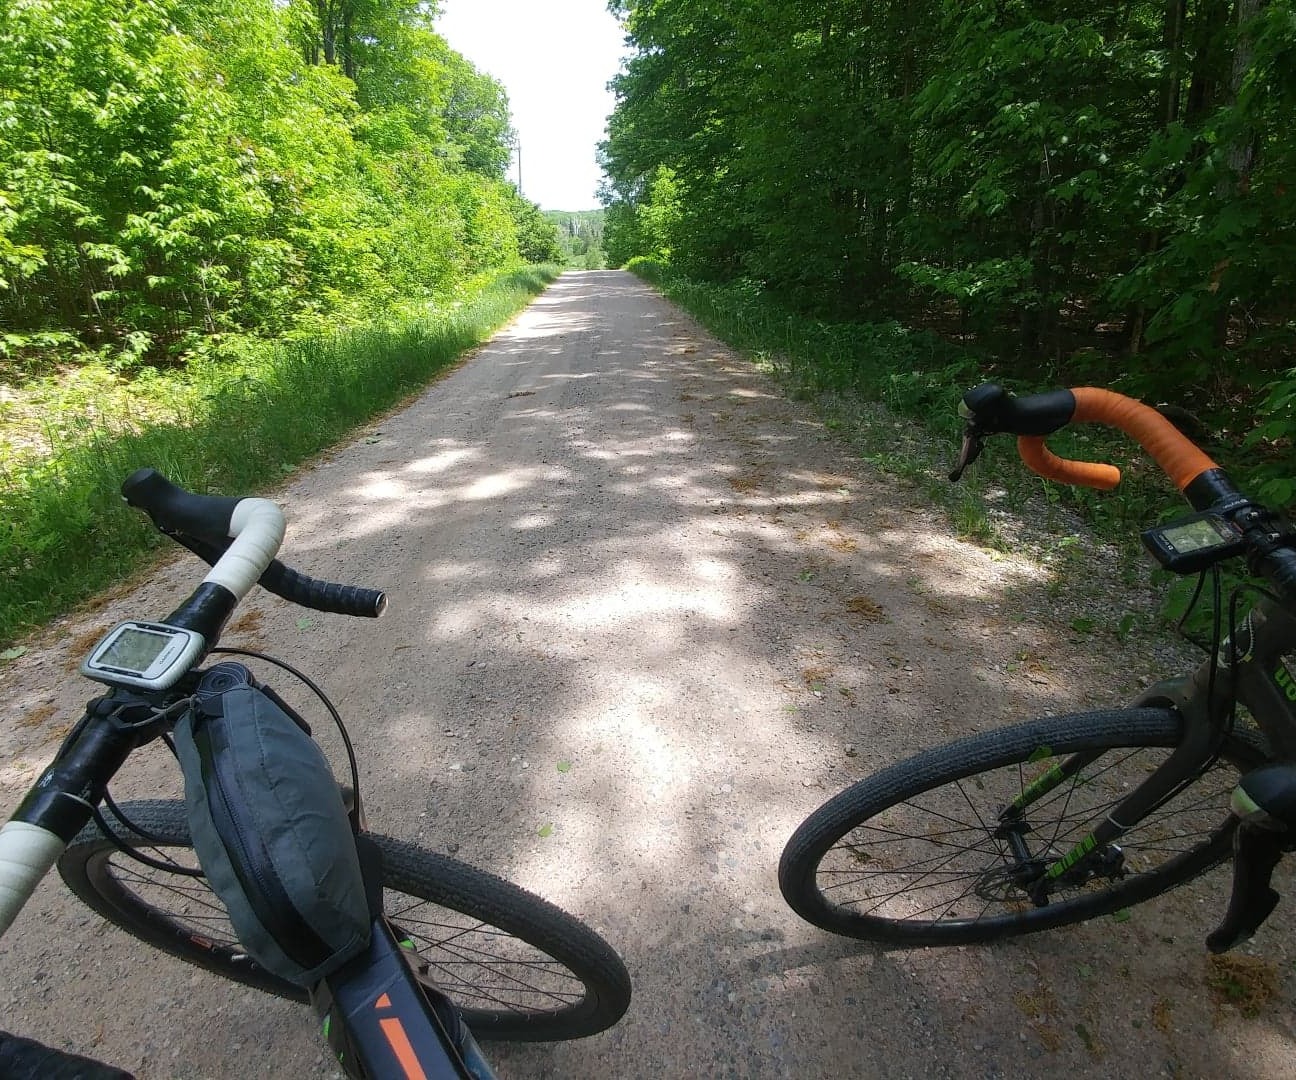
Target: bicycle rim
x=516 y=967
x=921 y=854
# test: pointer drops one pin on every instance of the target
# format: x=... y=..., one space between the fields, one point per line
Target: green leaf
x=546 y=829
x=1124 y=915
x=13 y=654
x=564 y=766
x=1082 y=625
x=305 y=622
x=1041 y=753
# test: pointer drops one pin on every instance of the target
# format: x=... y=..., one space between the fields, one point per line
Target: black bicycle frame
x=1249 y=670
x=387 y=1022
x=64 y=796
x=382 y=1022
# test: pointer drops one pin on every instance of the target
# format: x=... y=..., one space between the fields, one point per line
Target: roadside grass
x=893 y=393
x=232 y=424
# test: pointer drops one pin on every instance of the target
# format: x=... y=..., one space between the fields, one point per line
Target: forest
x=1097 y=192
x=580 y=237
x=172 y=173
x=230 y=232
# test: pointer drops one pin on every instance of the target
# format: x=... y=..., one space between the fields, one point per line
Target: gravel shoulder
x=611 y=543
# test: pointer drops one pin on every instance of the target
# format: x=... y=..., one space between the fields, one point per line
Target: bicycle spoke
x=926 y=856
x=476 y=963
x=911 y=838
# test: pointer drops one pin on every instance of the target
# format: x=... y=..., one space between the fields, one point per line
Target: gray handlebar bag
x=270 y=830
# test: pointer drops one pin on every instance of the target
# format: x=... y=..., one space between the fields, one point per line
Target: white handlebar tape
x=27 y=852
x=257 y=526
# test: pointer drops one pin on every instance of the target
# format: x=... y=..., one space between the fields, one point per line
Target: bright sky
x=555 y=59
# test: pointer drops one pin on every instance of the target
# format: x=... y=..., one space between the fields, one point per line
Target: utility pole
x=519 y=150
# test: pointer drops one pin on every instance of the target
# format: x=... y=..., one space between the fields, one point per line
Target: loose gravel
x=613 y=545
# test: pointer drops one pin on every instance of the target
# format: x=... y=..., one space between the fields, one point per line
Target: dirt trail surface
x=610 y=543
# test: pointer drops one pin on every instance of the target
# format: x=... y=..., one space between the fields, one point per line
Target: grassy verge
x=895 y=391
x=232 y=425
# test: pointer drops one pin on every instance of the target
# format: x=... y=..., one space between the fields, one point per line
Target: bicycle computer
x=145 y=656
x=1194 y=542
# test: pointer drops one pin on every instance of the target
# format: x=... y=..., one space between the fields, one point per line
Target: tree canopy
x=175 y=170
x=1116 y=172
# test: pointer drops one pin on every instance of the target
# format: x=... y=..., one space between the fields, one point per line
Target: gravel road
x=611 y=543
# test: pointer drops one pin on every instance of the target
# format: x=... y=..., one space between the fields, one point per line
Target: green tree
x=173 y=170
x=1064 y=173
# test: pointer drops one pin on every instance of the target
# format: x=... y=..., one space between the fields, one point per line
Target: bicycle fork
x=1034 y=872
x=381 y=1019
x=1096 y=853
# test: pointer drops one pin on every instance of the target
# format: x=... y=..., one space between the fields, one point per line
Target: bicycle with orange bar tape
x=266 y=873
x=1068 y=818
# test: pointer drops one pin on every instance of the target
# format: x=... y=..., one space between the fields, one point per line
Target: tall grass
x=252 y=418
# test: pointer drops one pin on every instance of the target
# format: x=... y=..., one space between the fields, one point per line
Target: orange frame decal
x=400 y=1044
x=398 y=1040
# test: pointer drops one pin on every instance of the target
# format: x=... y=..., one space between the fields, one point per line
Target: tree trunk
x=1172 y=32
x=1240 y=154
x=327 y=19
x=348 y=57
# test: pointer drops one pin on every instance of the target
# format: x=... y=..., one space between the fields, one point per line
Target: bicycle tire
x=26 y=1059
x=571 y=982
x=830 y=853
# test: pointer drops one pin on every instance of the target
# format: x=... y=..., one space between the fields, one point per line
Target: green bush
x=255 y=412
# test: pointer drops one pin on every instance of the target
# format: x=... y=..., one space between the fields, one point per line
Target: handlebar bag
x=270 y=830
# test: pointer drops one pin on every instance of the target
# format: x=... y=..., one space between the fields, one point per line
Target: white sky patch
x=555 y=59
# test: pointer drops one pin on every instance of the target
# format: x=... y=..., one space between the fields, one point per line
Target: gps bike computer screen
x=1204 y=532
x=134 y=649
x=1193 y=543
x=149 y=656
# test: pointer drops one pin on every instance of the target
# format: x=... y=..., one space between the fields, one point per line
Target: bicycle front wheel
x=948 y=847
x=517 y=967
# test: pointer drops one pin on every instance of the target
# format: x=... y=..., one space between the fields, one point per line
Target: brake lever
x=1256 y=852
x=1265 y=801
x=973 y=442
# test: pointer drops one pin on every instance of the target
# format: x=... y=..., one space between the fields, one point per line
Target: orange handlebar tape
x=1178 y=455
x=1170 y=448
x=1039 y=458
